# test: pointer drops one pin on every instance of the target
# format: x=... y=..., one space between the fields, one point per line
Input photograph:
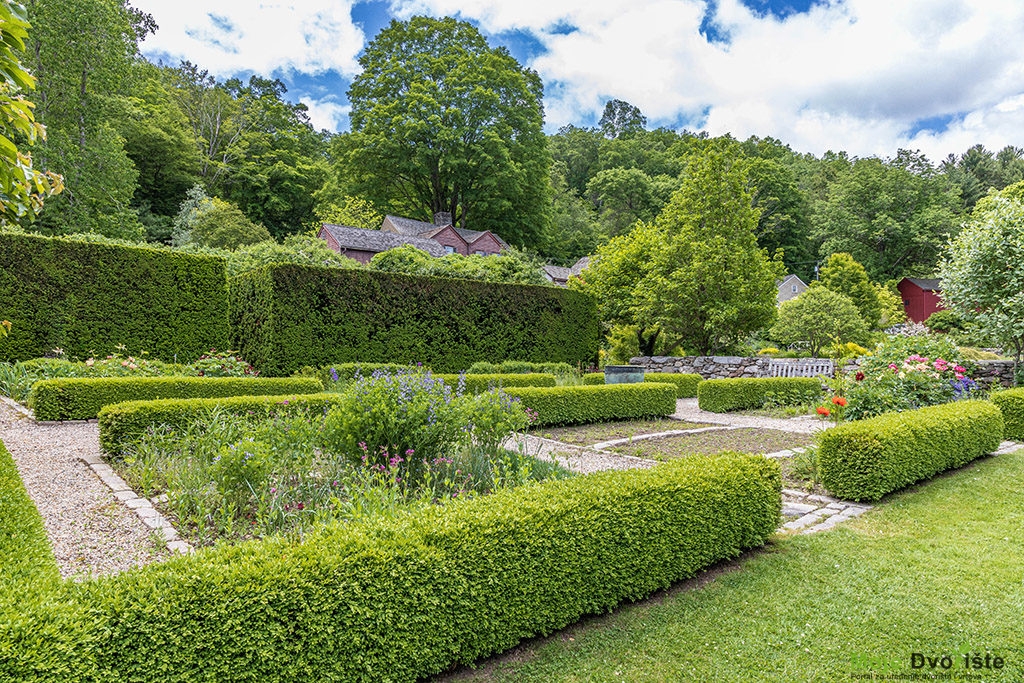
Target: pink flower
x=894 y=367
x=959 y=375
x=959 y=368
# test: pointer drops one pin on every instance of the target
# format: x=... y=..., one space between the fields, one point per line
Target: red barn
x=921 y=298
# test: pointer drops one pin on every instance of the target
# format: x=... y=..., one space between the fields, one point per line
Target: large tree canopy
x=443 y=122
x=983 y=272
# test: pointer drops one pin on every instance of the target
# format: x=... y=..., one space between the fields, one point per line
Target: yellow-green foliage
x=477 y=384
x=1011 y=404
x=402 y=599
x=742 y=393
x=686 y=383
x=866 y=459
x=81 y=398
x=586 y=404
x=121 y=423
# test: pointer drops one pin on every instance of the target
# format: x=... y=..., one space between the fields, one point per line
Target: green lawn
x=936 y=570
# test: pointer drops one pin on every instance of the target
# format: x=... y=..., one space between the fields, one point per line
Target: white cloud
x=853 y=74
x=226 y=38
x=325 y=114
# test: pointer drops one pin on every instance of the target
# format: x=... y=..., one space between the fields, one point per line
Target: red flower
x=859 y=377
x=822 y=410
x=839 y=401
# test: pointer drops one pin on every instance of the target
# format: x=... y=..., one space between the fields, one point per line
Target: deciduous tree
x=441 y=121
x=819 y=317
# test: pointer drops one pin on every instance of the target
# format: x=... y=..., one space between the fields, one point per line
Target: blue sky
x=864 y=76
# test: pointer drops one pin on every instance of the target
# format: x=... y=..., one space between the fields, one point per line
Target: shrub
x=509 y=367
x=867 y=459
x=25 y=553
x=818 y=317
x=1011 y=404
x=123 y=423
x=723 y=395
x=82 y=398
x=593 y=378
x=586 y=404
x=84 y=297
x=906 y=373
x=405 y=598
x=398 y=420
x=285 y=317
x=476 y=384
x=686 y=383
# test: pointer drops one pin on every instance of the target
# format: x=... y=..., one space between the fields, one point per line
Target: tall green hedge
x=742 y=393
x=81 y=398
x=686 y=383
x=586 y=404
x=1011 y=404
x=402 y=599
x=285 y=317
x=87 y=298
x=866 y=459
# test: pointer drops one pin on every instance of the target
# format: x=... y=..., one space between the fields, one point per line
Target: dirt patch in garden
x=586 y=435
x=743 y=440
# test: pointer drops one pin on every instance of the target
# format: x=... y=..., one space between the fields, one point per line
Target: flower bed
x=401 y=599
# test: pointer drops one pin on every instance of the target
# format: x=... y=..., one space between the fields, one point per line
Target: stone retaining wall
x=723 y=367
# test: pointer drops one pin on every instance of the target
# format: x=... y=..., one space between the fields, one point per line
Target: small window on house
x=449 y=250
x=480 y=252
x=794 y=288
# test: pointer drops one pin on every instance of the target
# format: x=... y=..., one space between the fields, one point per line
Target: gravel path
x=686 y=409
x=91 y=532
x=579 y=459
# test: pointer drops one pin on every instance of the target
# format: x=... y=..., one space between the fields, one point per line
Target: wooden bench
x=801 y=368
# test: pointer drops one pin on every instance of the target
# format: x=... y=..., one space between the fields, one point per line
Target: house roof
x=558 y=273
x=578 y=267
x=790 y=277
x=927 y=285
x=409 y=226
x=378 y=241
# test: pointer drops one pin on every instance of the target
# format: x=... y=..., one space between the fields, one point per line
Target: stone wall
x=722 y=367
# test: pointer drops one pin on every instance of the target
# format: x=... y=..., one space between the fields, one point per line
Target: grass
x=935 y=570
x=745 y=440
x=586 y=435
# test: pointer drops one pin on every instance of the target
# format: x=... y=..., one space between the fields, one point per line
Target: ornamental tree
x=819 y=317
x=842 y=274
x=707 y=283
x=983 y=270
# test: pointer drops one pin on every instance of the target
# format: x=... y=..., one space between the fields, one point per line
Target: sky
x=865 y=76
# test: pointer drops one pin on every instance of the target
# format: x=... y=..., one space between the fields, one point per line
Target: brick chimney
x=442 y=218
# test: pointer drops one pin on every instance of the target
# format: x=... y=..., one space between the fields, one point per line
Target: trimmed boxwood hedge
x=866 y=459
x=742 y=393
x=26 y=558
x=86 y=298
x=122 y=423
x=1011 y=403
x=686 y=383
x=81 y=398
x=586 y=404
x=402 y=599
x=285 y=317
x=477 y=384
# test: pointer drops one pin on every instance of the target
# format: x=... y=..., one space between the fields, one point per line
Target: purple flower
x=334 y=375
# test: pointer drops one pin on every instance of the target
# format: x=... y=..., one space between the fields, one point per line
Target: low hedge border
x=1011 y=404
x=477 y=384
x=402 y=599
x=586 y=404
x=81 y=398
x=743 y=393
x=122 y=423
x=867 y=459
x=26 y=558
x=686 y=383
